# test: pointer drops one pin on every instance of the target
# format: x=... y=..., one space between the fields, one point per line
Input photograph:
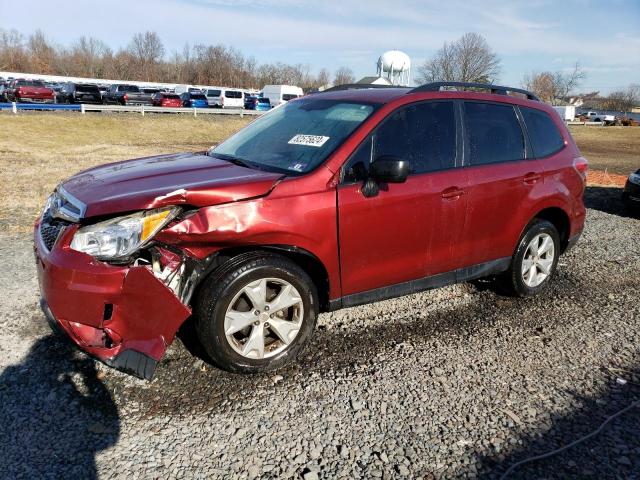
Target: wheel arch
x=305 y=259
x=560 y=219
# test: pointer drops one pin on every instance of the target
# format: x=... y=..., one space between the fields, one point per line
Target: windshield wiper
x=233 y=159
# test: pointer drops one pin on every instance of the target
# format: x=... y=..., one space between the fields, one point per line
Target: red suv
x=333 y=200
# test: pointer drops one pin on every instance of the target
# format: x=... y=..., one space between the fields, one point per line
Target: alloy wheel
x=538 y=260
x=263 y=318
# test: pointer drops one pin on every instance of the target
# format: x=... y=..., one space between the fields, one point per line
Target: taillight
x=582 y=167
x=125 y=97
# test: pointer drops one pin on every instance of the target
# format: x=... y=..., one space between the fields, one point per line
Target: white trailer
x=567 y=113
x=279 y=94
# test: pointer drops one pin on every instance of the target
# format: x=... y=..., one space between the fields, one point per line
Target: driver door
x=408 y=230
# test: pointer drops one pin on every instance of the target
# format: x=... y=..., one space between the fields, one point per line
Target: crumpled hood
x=188 y=178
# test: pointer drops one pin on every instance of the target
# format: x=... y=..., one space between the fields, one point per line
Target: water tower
x=395 y=66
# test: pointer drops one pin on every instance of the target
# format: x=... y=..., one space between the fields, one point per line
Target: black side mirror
x=388 y=169
x=385 y=169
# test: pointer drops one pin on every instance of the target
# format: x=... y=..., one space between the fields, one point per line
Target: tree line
x=146 y=59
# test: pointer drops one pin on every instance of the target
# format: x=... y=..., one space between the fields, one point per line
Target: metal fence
x=141 y=109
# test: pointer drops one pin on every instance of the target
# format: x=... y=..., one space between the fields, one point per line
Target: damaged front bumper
x=124 y=315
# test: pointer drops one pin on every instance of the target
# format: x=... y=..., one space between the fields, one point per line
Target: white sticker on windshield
x=308 y=140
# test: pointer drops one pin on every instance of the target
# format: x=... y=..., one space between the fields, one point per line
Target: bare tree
x=344 y=75
x=554 y=87
x=468 y=59
x=147 y=50
x=622 y=100
x=323 y=78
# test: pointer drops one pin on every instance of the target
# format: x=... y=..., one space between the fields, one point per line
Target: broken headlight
x=121 y=236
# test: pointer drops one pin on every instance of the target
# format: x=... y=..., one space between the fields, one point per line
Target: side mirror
x=388 y=169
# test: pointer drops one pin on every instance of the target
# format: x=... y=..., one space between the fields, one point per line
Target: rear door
x=407 y=231
x=503 y=179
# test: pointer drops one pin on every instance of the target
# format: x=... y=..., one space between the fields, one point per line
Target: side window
x=493 y=133
x=422 y=133
x=543 y=132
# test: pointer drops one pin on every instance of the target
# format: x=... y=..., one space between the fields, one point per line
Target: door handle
x=531 y=178
x=452 y=193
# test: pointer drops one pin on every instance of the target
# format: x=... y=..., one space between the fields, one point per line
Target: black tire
x=220 y=288
x=512 y=281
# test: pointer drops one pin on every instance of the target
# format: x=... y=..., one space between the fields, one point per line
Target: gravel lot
x=453 y=383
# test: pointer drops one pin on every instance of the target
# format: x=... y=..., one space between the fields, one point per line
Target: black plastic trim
x=419 y=285
x=135 y=363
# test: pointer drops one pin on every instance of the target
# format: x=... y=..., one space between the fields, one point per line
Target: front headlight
x=635 y=178
x=120 y=237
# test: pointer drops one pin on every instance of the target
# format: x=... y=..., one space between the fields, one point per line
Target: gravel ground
x=453 y=383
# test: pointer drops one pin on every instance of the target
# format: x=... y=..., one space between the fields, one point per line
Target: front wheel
x=534 y=261
x=256 y=313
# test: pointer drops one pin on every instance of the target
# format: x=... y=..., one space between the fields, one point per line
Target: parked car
x=257 y=103
x=163 y=99
x=126 y=95
x=79 y=93
x=333 y=200
x=213 y=96
x=230 y=98
x=103 y=90
x=28 y=91
x=194 y=100
x=279 y=94
x=3 y=93
x=599 y=117
x=631 y=193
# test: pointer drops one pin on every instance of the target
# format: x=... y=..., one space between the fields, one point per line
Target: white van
x=278 y=94
x=232 y=98
x=213 y=96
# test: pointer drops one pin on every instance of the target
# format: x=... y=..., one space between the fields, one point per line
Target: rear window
x=171 y=96
x=198 y=96
x=543 y=133
x=493 y=133
x=213 y=93
x=150 y=90
x=232 y=94
x=289 y=96
x=128 y=88
x=264 y=100
x=30 y=83
x=87 y=88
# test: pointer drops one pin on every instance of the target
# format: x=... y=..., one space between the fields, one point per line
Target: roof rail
x=356 y=86
x=495 y=89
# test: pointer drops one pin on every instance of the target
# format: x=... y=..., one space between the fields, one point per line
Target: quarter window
x=493 y=133
x=422 y=133
x=543 y=132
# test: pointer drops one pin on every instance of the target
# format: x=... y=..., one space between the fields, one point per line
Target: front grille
x=50 y=229
x=49 y=234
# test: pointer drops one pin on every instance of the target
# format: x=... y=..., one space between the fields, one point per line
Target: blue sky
x=603 y=35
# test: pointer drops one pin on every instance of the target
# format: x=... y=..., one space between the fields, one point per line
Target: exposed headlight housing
x=122 y=236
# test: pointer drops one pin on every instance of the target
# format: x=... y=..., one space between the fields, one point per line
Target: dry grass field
x=38 y=150
x=614 y=149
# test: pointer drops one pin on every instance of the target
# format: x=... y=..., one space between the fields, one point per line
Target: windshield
x=296 y=137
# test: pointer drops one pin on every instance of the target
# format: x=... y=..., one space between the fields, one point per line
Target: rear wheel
x=534 y=261
x=256 y=313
